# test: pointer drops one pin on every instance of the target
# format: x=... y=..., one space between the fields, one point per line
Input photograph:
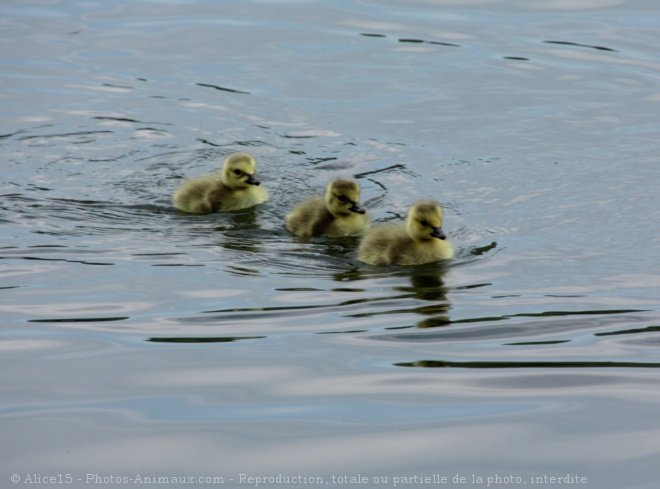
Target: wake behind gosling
x=235 y=187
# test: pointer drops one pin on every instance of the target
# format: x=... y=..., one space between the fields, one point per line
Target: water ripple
x=525 y=365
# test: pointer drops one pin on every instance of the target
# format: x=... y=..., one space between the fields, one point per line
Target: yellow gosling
x=236 y=187
x=419 y=240
x=335 y=214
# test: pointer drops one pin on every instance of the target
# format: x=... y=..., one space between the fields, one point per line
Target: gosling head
x=239 y=171
x=424 y=221
x=342 y=197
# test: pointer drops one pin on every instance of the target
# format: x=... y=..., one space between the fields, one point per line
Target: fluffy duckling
x=337 y=213
x=236 y=187
x=420 y=240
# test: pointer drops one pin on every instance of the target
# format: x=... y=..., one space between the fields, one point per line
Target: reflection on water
x=226 y=339
x=450 y=364
x=221 y=343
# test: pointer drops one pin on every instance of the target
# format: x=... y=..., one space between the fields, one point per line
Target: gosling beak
x=438 y=233
x=253 y=180
x=356 y=207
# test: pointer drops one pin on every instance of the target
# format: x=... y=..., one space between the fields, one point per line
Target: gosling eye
x=238 y=173
x=424 y=223
x=342 y=198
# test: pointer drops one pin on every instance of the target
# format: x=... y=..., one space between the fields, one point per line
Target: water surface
x=138 y=341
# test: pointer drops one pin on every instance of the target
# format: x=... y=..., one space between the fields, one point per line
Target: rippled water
x=139 y=342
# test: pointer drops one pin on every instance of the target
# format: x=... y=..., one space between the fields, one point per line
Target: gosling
x=420 y=240
x=335 y=214
x=236 y=187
